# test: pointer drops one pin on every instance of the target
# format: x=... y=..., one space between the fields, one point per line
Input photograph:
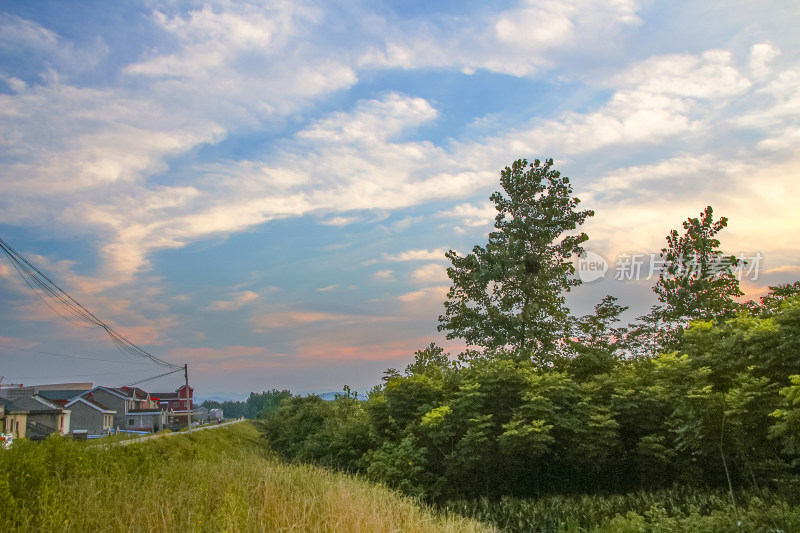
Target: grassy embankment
x=218 y=480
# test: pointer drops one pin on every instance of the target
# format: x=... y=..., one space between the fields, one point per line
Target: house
x=90 y=416
x=153 y=420
x=146 y=414
x=201 y=413
x=177 y=404
x=20 y=392
x=12 y=419
x=133 y=408
x=142 y=397
x=43 y=417
x=60 y=396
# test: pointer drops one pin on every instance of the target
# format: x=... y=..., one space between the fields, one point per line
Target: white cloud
x=416 y=255
x=100 y=160
x=761 y=55
x=430 y=273
x=14 y=342
x=23 y=34
x=237 y=301
x=669 y=98
x=372 y=120
x=674 y=171
x=434 y=295
x=81 y=157
x=406 y=223
x=286 y=318
x=340 y=221
x=384 y=275
x=473 y=216
x=708 y=75
x=519 y=41
x=327 y=288
x=45 y=49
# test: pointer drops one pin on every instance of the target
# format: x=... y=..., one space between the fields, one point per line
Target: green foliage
x=550 y=404
x=222 y=479
x=787 y=427
x=401 y=466
x=597 y=344
x=511 y=292
x=676 y=509
x=772 y=301
x=697 y=280
x=309 y=429
x=496 y=425
x=257 y=405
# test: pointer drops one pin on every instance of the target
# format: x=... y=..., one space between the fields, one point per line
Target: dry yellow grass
x=221 y=480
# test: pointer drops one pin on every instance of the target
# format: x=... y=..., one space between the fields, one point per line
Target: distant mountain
x=327 y=396
x=220 y=397
x=232 y=397
x=330 y=396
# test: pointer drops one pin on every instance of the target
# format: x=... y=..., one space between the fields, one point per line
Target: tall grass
x=217 y=480
x=677 y=509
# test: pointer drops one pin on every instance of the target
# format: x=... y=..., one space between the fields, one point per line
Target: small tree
x=697 y=280
x=598 y=344
x=649 y=335
x=771 y=302
x=512 y=292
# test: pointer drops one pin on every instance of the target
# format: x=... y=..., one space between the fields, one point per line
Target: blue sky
x=266 y=190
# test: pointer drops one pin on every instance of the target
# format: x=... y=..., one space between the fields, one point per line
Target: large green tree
x=511 y=293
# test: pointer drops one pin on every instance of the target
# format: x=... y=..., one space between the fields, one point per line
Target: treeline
x=257 y=405
x=721 y=406
x=703 y=390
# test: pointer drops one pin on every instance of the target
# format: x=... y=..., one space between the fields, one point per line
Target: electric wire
x=153 y=378
x=71 y=356
x=34 y=277
x=18 y=378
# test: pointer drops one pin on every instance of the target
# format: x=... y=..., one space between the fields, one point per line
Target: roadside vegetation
x=677 y=509
x=687 y=419
x=218 y=480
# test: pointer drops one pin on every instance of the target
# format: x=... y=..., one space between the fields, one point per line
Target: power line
x=72 y=356
x=34 y=278
x=77 y=375
x=154 y=377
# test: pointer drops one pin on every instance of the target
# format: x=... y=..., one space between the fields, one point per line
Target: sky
x=266 y=190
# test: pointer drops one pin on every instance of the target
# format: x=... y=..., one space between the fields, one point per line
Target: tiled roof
x=9 y=406
x=60 y=394
x=92 y=403
x=111 y=390
x=136 y=391
x=36 y=403
x=164 y=396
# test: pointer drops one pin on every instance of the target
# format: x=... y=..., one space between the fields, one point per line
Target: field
x=218 y=480
x=226 y=479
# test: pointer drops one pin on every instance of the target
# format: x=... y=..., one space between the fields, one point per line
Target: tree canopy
x=697 y=280
x=511 y=292
x=582 y=403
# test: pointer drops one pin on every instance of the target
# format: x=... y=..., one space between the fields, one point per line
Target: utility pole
x=188 y=397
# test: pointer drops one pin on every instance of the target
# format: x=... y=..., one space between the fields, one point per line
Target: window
x=130 y=421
